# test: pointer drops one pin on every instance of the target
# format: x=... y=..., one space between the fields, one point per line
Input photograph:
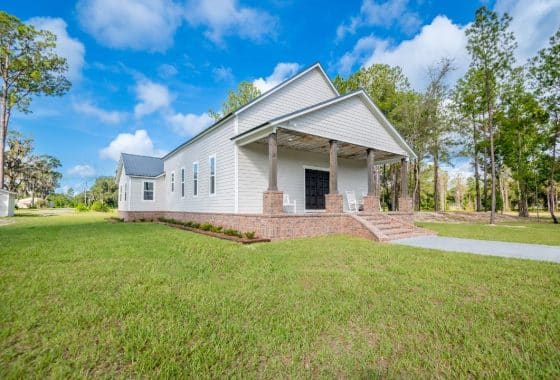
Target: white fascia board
x=255 y=135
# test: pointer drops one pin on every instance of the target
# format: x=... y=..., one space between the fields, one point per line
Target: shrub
x=99 y=207
x=195 y=225
x=41 y=203
x=250 y=235
x=217 y=229
x=80 y=207
x=231 y=232
x=206 y=227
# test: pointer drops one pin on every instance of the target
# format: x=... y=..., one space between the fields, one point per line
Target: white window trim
x=195 y=163
x=153 y=191
x=212 y=156
x=183 y=182
x=173 y=181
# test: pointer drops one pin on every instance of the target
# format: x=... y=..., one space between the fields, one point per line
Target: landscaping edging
x=216 y=234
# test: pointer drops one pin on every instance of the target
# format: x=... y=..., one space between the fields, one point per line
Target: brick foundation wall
x=272 y=226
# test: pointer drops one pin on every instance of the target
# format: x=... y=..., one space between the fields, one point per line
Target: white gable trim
x=287 y=82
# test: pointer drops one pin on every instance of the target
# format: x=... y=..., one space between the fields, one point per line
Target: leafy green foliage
x=29 y=66
x=99 y=207
x=244 y=93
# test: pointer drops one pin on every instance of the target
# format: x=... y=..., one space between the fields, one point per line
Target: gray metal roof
x=142 y=166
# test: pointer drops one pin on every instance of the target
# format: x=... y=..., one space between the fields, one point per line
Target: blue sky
x=146 y=72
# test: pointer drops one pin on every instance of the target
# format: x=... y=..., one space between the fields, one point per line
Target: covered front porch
x=327 y=185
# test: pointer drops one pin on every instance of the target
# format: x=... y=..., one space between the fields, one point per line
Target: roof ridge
x=141 y=155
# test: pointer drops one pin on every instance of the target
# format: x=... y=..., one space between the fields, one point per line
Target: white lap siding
x=311 y=88
x=350 y=121
x=136 y=194
x=216 y=142
x=253 y=175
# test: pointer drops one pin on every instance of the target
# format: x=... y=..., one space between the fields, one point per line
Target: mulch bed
x=218 y=235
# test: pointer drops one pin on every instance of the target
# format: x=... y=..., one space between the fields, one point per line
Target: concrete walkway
x=485 y=247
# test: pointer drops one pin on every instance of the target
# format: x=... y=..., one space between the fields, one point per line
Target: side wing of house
x=310 y=87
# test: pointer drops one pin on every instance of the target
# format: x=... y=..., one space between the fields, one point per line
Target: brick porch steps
x=387 y=228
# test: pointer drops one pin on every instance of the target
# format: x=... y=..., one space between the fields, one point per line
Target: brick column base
x=371 y=203
x=405 y=204
x=273 y=202
x=333 y=203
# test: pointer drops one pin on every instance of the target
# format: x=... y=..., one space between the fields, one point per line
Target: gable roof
x=361 y=93
x=266 y=94
x=141 y=166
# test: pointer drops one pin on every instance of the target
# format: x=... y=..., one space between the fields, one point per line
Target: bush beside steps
x=215 y=231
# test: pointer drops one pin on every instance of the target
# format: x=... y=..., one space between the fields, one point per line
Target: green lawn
x=83 y=297
x=520 y=232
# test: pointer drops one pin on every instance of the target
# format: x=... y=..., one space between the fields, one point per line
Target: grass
x=520 y=232
x=83 y=297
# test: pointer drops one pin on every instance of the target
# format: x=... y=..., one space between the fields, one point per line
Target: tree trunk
x=523 y=206
x=476 y=173
x=485 y=180
x=552 y=182
x=418 y=185
x=436 y=184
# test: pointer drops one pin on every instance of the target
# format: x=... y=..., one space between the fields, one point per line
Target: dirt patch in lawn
x=462 y=217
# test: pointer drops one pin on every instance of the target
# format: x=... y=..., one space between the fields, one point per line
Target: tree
x=16 y=159
x=520 y=140
x=244 y=93
x=41 y=177
x=467 y=98
x=438 y=127
x=105 y=190
x=384 y=84
x=28 y=67
x=545 y=72
x=491 y=45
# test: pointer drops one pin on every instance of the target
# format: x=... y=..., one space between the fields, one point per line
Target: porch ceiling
x=299 y=141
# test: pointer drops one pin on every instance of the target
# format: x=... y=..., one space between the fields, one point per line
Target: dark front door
x=316 y=186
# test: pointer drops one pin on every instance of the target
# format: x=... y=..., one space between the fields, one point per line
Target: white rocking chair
x=289 y=206
x=353 y=205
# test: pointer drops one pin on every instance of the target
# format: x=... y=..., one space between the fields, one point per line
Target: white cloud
x=152 y=97
x=137 y=143
x=223 y=74
x=226 y=17
x=84 y=171
x=89 y=109
x=440 y=38
x=189 y=124
x=167 y=71
x=135 y=24
x=385 y=14
x=534 y=22
x=281 y=72
x=70 y=48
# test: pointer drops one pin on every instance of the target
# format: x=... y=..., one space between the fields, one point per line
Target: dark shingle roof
x=143 y=166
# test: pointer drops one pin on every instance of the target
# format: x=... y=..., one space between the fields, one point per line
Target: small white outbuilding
x=7 y=203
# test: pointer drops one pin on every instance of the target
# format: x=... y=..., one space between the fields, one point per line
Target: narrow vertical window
x=120 y=192
x=172 y=182
x=182 y=182
x=195 y=179
x=148 y=191
x=212 y=185
x=125 y=188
